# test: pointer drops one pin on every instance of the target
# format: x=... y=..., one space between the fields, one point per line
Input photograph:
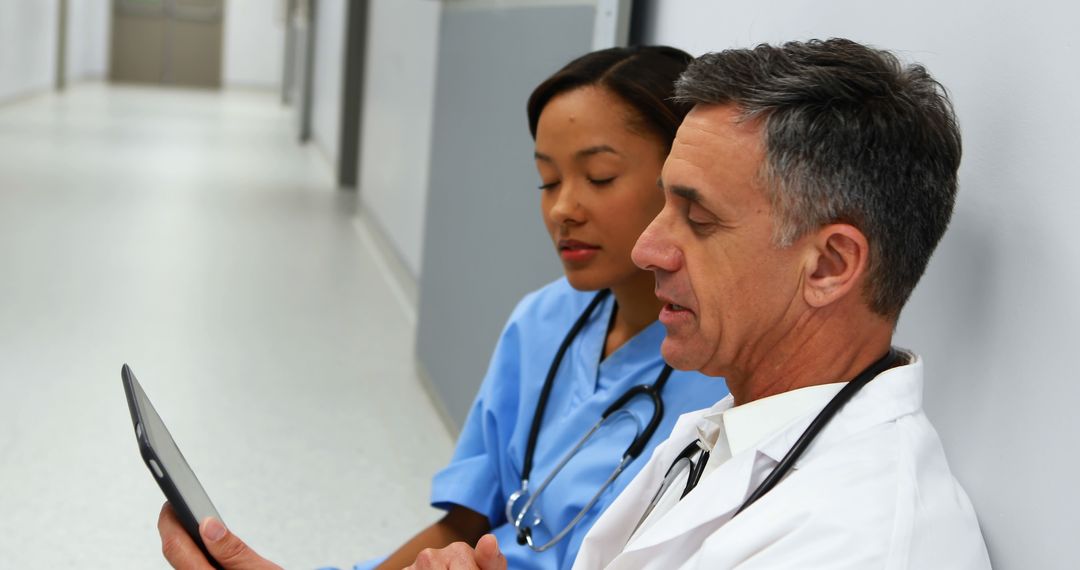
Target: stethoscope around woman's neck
x=517 y=517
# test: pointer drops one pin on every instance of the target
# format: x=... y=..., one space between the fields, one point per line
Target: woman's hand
x=229 y=551
x=460 y=556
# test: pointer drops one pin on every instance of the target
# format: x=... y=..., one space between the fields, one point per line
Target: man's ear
x=838 y=261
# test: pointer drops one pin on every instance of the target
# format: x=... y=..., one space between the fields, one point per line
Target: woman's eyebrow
x=583 y=153
x=592 y=150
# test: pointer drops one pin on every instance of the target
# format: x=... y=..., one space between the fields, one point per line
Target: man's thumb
x=226 y=547
x=488 y=556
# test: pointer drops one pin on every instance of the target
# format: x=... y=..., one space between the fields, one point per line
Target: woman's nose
x=567 y=207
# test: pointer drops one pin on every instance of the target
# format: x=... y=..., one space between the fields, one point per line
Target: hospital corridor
x=185 y=233
x=538 y=284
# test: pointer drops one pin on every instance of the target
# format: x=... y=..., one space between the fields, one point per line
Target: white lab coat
x=873 y=491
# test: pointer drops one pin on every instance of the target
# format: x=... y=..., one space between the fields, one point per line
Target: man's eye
x=699 y=226
x=549 y=185
x=601 y=181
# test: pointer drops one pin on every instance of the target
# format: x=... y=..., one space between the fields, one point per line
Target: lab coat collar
x=892 y=394
x=749 y=424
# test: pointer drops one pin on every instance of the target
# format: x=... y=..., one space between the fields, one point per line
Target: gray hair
x=851 y=135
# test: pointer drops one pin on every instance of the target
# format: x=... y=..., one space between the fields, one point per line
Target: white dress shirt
x=872 y=491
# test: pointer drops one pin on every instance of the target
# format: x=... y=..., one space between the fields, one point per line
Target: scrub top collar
x=626 y=360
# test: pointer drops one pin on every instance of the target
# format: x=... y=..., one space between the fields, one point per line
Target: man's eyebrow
x=542 y=156
x=687 y=193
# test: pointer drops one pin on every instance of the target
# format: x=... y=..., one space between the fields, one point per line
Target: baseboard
x=23 y=96
x=251 y=87
x=327 y=156
x=404 y=287
x=87 y=78
x=402 y=279
x=452 y=427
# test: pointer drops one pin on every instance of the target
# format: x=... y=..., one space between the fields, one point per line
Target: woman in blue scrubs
x=603 y=126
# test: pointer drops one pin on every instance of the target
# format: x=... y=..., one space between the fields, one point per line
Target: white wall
x=329 y=67
x=395 y=144
x=88 y=26
x=28 y=40
x=996 y=315
x=254 y=43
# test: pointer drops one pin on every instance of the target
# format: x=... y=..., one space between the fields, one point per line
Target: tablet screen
x=173 y=463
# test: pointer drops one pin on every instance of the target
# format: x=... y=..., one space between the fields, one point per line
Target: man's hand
x=460 y=556
x=229 y=551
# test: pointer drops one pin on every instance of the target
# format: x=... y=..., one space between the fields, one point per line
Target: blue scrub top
x=486 y=466
x=487 y=463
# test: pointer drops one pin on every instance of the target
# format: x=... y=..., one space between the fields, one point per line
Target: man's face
x=729 y=294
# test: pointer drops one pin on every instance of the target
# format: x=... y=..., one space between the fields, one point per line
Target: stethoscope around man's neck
x=653 y=392
x=891 y=358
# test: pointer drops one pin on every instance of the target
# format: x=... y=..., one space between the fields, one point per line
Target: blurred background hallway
x=185 y=233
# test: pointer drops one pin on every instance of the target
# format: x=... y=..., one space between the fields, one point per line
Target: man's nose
x=654 y=250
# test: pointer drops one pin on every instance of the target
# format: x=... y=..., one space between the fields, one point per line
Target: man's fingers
x=457 y=556
x=229 y=550
x=488 y=556
x=460 y=556
x=176 y=545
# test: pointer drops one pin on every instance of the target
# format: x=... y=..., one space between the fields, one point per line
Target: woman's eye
x=549 y=185
x=601 y=181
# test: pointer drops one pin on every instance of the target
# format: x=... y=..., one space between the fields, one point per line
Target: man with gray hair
x=805 y=193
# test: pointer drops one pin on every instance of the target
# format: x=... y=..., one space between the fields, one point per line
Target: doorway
x=167 y=42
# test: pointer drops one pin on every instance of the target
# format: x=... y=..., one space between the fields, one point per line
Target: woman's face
x=598 y=176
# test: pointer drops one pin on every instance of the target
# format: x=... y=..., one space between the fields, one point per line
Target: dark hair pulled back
x=642 y=76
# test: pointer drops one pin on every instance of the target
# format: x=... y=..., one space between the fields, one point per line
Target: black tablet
x=167 y=464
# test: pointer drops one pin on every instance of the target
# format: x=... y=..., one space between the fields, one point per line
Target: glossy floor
x=187 y=234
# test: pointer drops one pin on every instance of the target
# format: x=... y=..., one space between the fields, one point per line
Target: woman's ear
x=839 y=256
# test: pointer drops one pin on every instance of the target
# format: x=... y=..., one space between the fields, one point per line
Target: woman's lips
x=574 y=251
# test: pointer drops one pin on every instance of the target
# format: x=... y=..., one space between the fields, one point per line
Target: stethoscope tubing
x=653 y=391
x=549 y=382
x=817 y=425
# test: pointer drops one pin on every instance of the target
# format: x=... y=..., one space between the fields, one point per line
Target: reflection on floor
x=187 y=234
